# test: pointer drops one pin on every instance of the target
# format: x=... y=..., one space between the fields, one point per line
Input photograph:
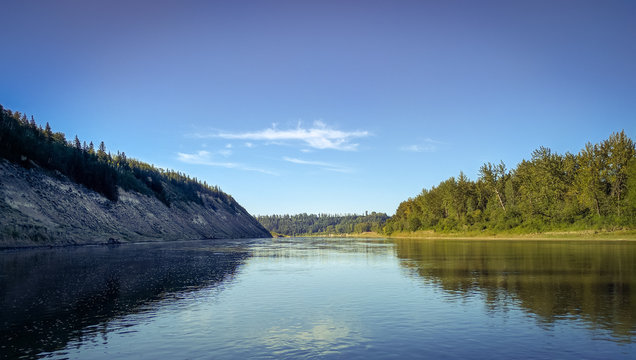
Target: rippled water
x=321 y=298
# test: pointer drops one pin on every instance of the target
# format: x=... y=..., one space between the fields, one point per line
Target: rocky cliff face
x=40 y=208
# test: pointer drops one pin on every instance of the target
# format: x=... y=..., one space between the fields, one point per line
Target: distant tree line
x=307 y=224
x=24 y=142
x=595 y=188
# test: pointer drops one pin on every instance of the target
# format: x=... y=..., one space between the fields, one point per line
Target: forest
x=593 y=189
x=308 y=224
x=24 y=142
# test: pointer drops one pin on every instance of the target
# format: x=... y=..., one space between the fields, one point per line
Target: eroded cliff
x=40 y=208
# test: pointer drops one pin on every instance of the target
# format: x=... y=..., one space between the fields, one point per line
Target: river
x=321 y=298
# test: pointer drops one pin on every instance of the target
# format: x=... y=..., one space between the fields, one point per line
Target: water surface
x=321 y=298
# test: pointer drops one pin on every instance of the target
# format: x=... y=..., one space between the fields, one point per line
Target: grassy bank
x=620 y=234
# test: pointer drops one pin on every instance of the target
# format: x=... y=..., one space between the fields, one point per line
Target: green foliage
x=27 y=144
x=307 y=224
x=595 y=188
x=630 y=198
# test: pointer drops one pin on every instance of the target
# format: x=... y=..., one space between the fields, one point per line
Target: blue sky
x=324 y=106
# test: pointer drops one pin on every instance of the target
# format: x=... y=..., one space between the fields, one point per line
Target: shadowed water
x=52 y=297
x=321 y=298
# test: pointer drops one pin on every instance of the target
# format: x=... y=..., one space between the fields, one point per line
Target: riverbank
x=622 y=234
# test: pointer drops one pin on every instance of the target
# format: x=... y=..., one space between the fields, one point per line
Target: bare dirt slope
x=39 y=208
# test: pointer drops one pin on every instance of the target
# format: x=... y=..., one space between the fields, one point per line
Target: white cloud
x=428 y=145
x=319 y=136
x=203 y=157
x=225 y=152
x=325 y=165
x=305 y=162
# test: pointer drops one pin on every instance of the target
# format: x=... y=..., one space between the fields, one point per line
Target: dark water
x=321 y=298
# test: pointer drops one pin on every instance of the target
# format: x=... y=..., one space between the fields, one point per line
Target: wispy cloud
x=428 y=145
x=225 y=152
x=319 y=136
x=203 y=157
x=324 y=165
x=306 y=162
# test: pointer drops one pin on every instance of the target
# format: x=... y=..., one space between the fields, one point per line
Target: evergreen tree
x=47 y=131
x=20 y=139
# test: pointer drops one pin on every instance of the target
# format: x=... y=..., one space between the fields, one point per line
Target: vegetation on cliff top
x=24 y=142
x=593 y=189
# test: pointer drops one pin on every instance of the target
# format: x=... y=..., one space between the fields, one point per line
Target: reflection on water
x=50 y=297
x=318 y=247
x=326 y=337
x=591 y=281
x=321 y=298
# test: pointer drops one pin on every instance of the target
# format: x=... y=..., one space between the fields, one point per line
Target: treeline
x=307 y=224
x=595 y=188
x=24 y=142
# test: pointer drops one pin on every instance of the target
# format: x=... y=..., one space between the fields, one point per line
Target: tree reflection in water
x=586 y=280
